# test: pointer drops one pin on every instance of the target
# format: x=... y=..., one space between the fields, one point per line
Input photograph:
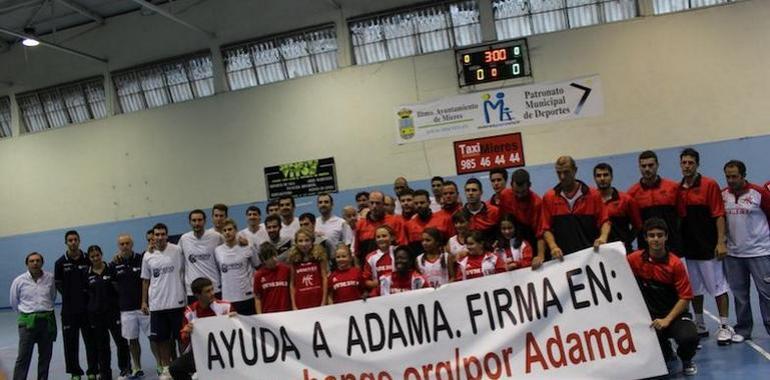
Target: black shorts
x=165 y=324
x=245 y=307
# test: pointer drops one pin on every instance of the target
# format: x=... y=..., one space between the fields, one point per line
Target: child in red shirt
x=405 y=276
x=516 y=252
x=309 y=271
x=478 y=262
x=271 y=282
x=347 y=282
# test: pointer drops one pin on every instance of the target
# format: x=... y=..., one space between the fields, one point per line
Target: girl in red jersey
x=271 y=282
x=516 y=252
x=379 y=262
x=478 y=262
x=347 y=282
x=456 y=244
x=405 y=276
x=436 y=265
x=309 y=270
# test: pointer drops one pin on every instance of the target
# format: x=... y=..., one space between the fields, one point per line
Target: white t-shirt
x=455 y=247
x=434 y=205
x=288 y=230
x=236 y=265
x=335 y=230
x=434 y=272
x=165 y=270
x=254 y=238
x=199 y=258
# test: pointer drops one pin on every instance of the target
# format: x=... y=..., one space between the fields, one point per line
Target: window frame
x=59 y=90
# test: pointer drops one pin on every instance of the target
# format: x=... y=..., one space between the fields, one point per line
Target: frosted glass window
x=415 y=31
x=62 y=105
x=520 y=18
x=172 y=81
x=287 y=56
x=5 y=117
x=668 y=6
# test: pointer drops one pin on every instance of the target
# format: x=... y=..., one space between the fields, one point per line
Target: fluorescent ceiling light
x=30 y=42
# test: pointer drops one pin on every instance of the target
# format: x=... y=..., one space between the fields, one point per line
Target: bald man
x=400 y=184
x=365 y=228
x=573 y=216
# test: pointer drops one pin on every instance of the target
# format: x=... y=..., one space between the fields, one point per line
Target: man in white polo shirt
x=32 y=295
x=333 y=228
x=163 y=294
x=198 y=247
x=236 y=264
x=289 y=222
x=747 y=210
x=255 y=232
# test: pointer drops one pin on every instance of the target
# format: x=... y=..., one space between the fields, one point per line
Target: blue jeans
x=739 y=271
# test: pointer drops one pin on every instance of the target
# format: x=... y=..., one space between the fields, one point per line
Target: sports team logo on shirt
x=226 y=267
x=193 y=258
x=405 y=123
x=307 y=280
x=156 y=273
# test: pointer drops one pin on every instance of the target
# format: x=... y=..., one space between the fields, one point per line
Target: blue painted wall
x=752 y=150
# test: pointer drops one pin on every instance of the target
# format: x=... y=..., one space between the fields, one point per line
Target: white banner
x=500 y=108
x=581 y=318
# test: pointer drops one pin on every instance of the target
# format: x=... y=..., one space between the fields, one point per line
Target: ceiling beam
x=53 y=45
x=168 y=15
x=8 y=8
x=82 y=10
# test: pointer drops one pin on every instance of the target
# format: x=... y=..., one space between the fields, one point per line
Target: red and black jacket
x=663 y=282
x=625 y=217
x=659 y=200
x=577 y=228
x=525 y=211
x=485 y=220
x=699 y=207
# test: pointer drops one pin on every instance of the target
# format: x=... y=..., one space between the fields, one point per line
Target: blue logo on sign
x=503 y=113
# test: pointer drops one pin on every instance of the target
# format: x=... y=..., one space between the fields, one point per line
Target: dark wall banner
x=583 y=318
x=486 y=153
x=300 y=179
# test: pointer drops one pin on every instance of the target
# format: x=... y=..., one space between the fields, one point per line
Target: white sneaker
x=725 y=335
x=165 y=375
x=737 y=338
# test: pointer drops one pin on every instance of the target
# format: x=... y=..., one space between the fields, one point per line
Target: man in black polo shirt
x=70 y=272
x=127 y=269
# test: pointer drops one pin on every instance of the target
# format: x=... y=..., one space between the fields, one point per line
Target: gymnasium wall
x=669 y=81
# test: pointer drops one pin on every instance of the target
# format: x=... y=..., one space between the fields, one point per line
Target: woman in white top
x=436 y=265
x=456 y=244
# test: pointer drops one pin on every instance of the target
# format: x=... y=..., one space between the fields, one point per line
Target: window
x=61 y=105
x=5 y=117
x=286 y=56
x=171 y=81
x=518 y=18
x=668 y=6
x=415 y=31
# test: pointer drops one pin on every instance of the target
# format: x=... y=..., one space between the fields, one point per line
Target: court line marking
x=751 y=344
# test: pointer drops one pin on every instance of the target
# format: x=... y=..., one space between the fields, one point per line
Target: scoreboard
x=493 y=62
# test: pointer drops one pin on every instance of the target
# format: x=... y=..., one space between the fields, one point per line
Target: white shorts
x=133 y=321
x=707 y=276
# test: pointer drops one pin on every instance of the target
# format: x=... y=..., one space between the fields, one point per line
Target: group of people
x=693 y=239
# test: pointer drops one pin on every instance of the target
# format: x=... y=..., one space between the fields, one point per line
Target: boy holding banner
x=666 y=290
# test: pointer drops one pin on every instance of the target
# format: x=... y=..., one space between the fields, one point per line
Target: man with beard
x=281 y=244
x=406 y=200
x=331 y=227
x=272 y=207
x=436 y=184
x=289 y=222
x=198 y=248
x=424 y=217
x=621 y=209
x=366 y=227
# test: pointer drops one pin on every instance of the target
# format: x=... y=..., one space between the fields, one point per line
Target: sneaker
x=738 y=338
x=165 y=375
x=91 y=377
x=702 y=330
x=725 y=335
x=689 y=368
x=137 y=374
